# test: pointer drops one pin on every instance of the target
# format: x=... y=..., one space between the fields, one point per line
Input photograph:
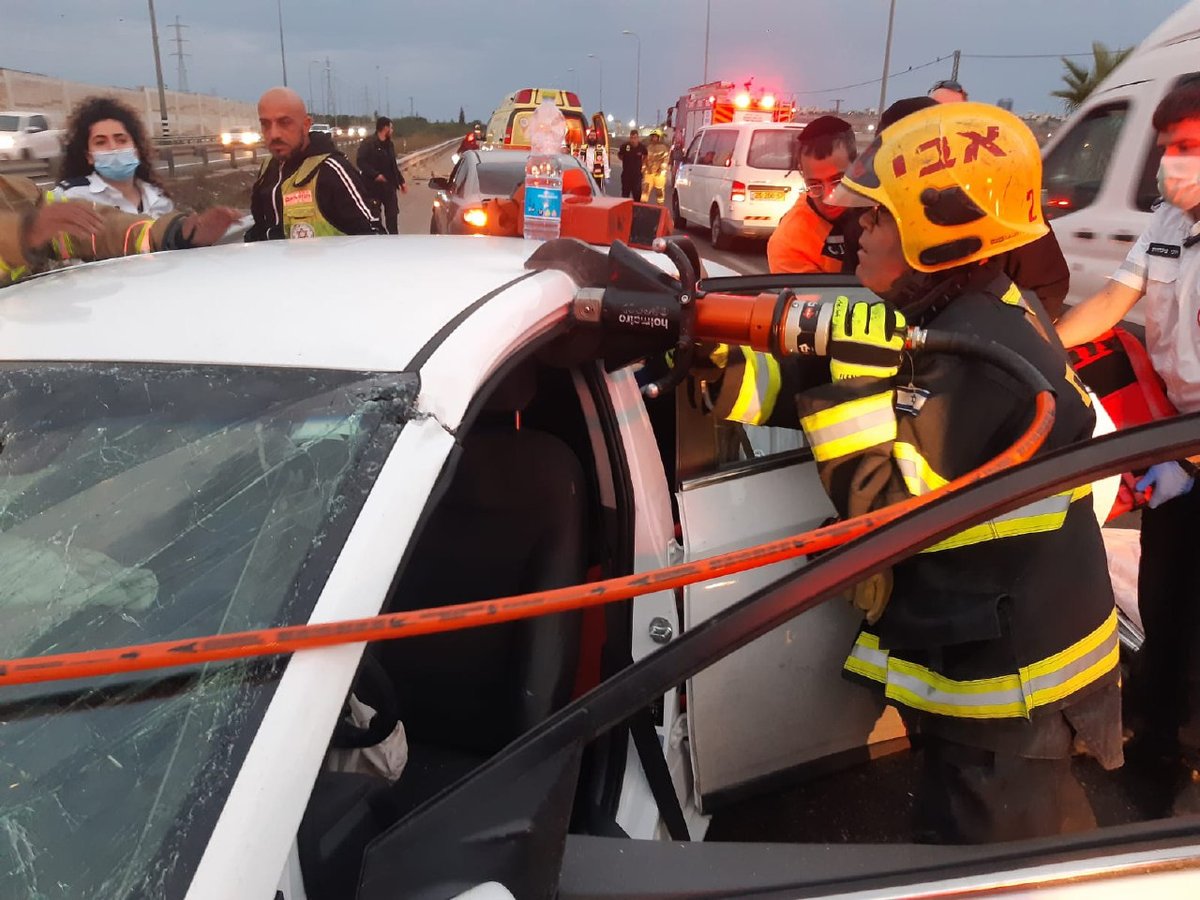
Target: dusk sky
x=470 y=53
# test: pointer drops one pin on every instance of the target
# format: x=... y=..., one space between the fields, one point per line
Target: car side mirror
x=32 y=129
x=440 y=184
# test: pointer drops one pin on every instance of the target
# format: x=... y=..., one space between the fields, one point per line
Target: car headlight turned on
x=226 y=138
x=7 y=142
x=476 y=218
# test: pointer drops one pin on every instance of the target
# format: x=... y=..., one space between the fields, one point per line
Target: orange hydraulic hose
x=274 y=641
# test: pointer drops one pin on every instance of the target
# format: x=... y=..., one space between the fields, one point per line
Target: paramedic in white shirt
x=1162 y=272
x=107 y=160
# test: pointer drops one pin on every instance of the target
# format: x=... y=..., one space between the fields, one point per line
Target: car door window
x=708 y=148
x=726 y=144
x=1073 y=172
x=38 y=123
x=1147 y=192
x=693 y=151
x=458 y=178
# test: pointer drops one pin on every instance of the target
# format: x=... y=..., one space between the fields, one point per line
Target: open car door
x=740 y=485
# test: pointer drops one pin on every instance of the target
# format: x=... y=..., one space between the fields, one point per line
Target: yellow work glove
x=871 y=596
x=865 y=339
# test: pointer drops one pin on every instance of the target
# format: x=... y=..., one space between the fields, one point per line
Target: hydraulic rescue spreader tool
x=637 y=309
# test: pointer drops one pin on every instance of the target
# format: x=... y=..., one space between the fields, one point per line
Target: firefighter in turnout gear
x=307 y=188
x=654 y=169
x=997 y=654
x=39 y=229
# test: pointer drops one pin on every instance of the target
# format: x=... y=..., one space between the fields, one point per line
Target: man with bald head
x=303 y=190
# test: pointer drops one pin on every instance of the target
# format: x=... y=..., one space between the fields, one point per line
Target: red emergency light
x=525 y=96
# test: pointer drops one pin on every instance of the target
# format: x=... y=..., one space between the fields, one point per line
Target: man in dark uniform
x=377 y=163
x=633 y=158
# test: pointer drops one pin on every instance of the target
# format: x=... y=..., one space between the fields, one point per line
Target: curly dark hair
x=96 y=109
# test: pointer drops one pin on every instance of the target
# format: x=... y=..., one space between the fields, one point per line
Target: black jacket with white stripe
x=341 y=195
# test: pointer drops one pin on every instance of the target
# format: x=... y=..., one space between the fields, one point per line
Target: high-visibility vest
x=302 y=216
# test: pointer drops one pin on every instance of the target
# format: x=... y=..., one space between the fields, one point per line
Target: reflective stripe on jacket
x=1009 y=617
x=121 y=234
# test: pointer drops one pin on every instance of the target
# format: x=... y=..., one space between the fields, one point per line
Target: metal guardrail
x=205 y=154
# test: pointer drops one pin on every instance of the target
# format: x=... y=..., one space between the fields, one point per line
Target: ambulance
x=509 y=126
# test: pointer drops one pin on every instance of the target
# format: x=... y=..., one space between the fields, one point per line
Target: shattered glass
x=148 y=503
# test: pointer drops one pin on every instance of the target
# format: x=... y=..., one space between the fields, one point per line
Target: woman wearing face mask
x=107 y=160
x=1163 y=692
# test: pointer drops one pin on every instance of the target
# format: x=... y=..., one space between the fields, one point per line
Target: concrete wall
x=188 y=114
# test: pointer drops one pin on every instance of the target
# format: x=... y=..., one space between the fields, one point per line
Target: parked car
x=28 y=135
x=458 y=204
x=285 y=460
x=738 y=180
x=1100 y=168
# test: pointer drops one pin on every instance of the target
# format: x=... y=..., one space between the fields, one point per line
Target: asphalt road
x=748 y=257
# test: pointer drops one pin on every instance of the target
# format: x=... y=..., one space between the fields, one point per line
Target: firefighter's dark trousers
x=1163 y=694
x=971 y=796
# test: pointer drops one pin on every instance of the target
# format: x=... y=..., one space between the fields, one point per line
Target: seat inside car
x=512 y=520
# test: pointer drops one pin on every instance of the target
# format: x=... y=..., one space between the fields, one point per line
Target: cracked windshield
x=139 y=504
x=532 y=419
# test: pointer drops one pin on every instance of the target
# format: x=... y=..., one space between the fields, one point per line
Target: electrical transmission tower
x=182 y=84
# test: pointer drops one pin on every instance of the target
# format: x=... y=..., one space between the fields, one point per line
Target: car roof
x=361 y=303
x=504 y=157
x=746 y=126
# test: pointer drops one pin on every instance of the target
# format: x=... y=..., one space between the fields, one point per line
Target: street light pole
x=707 y=21
x=601 y=91
x=162 y=93
x=311 y=106
x=282 y=57
x=887 y=59
x=637 y=99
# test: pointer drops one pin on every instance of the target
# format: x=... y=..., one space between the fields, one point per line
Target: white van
x=1099 y=170
x=737 y=179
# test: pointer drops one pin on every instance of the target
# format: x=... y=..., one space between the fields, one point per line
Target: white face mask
x=1179 y=181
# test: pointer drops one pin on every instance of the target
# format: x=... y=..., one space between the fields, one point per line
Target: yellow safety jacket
x=1006 y=619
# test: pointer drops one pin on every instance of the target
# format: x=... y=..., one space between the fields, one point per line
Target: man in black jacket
x=377 y=162
x=307 y=188
x=633 y=158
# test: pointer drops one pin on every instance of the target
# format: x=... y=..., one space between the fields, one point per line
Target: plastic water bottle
x=543 y=173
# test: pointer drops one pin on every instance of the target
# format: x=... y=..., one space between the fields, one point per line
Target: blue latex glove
x=1169 y=481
